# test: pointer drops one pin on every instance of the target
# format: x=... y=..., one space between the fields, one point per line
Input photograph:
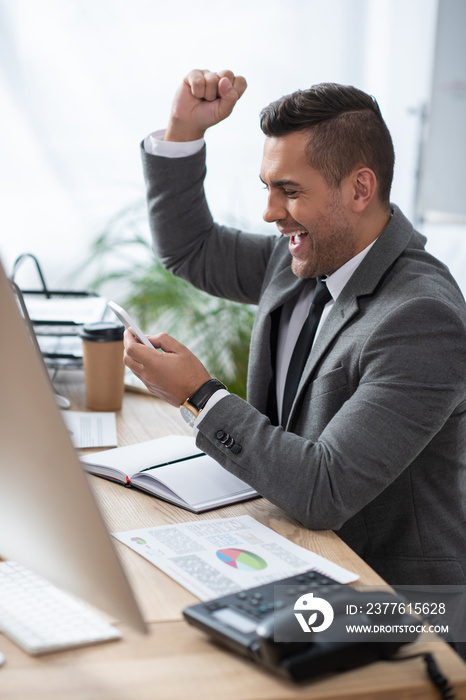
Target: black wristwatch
x=194 y=405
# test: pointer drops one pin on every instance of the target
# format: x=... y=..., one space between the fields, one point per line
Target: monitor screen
x=49 y=519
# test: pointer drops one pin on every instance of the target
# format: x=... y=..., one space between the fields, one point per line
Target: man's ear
x=364 y=184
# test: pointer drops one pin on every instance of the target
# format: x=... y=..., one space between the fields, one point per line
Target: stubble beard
x=333 y=246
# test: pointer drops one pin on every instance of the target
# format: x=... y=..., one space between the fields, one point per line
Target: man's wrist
x=214 y=399
x=193 y=406
x=200 y=397
x=182 y=133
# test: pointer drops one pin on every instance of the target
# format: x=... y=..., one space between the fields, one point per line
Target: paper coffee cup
x=103 y=365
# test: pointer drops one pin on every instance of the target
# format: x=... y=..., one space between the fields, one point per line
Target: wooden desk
x=175 y=661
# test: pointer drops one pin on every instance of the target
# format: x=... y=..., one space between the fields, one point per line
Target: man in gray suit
x=370 y=440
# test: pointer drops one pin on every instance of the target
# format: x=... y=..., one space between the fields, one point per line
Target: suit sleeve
x=411 y=387
x=220 y=260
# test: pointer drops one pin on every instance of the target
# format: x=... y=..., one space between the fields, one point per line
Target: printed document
x=212 y=558
x=91 y=429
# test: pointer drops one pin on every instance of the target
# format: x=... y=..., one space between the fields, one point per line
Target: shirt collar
x=338 y=279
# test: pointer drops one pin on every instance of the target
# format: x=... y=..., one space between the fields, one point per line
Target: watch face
x=187 y=415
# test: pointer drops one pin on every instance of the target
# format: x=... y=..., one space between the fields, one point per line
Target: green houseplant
x=121 y=265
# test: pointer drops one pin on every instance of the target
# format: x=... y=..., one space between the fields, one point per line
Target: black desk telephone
x=261 y=623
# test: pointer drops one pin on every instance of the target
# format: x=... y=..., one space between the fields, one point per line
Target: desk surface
x=176 y=661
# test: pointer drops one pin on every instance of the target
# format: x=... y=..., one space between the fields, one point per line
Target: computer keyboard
x=41 y=618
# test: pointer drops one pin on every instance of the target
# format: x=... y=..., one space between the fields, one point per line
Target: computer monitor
x=49 y=519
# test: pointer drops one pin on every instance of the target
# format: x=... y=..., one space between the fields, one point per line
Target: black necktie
x=303 y=346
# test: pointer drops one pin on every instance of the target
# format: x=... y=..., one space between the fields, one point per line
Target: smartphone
x=129 y=323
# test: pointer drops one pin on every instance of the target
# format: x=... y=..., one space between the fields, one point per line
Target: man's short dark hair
x=346 y=131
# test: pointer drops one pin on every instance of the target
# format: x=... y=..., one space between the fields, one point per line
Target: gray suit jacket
x=375 y=446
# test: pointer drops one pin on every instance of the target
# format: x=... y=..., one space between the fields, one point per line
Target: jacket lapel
x=392 y=242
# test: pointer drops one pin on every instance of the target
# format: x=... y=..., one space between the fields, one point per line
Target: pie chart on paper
x=241 y=559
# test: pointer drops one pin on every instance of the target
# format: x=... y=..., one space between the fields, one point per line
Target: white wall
x=82 y=82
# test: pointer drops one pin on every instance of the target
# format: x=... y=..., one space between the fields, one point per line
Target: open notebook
x=171 y=468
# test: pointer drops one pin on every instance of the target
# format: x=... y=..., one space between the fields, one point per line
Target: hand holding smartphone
x=129 y=323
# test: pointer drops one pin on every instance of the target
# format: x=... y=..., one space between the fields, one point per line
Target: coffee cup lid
x=102 y=331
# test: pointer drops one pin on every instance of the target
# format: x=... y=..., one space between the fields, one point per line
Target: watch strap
x=200 y=397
